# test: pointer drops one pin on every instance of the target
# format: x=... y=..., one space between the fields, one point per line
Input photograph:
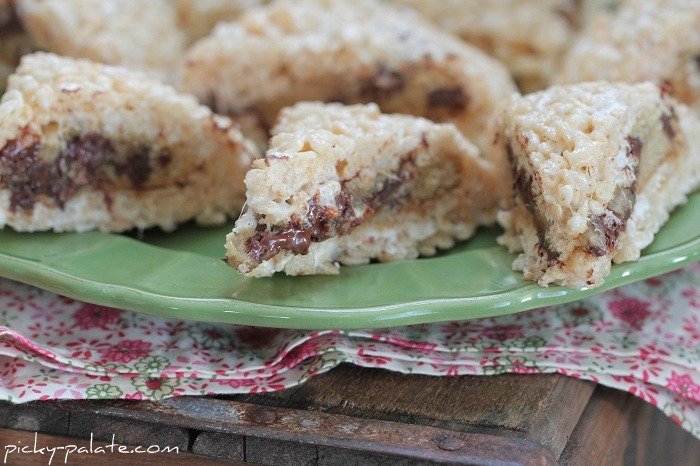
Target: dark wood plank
x=33 y=417
x=603 y=433
x=361 y=416
x=133 y=432
x=21 y=438
x=333 y=430
x=656 y=440
x=539 y=411
x=219 y=445
x=280 y=453
x=342 y=457
x=544 y=409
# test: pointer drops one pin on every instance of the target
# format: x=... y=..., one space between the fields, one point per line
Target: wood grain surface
x=543 y=409
x=372 y=416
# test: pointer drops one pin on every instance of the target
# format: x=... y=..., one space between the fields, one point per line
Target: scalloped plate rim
x=518 y=299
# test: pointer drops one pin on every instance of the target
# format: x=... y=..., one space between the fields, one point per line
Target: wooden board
x=371 y=416
x=543 y=409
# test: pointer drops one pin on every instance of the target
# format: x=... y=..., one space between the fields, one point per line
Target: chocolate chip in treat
x=522 y=184
x=211 y=101
x=602 y=234
x=383 y=85
x=83 y=156
x=635 y=147
x=668 y=120
x=26 y=176
x=622 y=202
x=393 y=190
x=137 y=166
x=79 y=165
x=524 y=187
x=347 y=219
x=264 y=245
x=666 y=88
x=23 y=174
x=452 y=98
x=322 y=220
x=325 y=221
x=165 y=158
x=604 y=230
x=296 y=237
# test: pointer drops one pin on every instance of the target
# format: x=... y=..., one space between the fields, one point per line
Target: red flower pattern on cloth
x=684 y=386
x=643 y=338
x=633 y=311
x=126 y=351
x=93 y=316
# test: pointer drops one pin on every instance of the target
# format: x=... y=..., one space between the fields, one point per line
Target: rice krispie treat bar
x=529 y=36
x=198 y=17
x=348 y=184
x=596 y=169
x=644 y=40
x=349 y=51
x=87 y=146
x=136 y=34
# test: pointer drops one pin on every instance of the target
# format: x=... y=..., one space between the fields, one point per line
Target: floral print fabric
x=643 y=338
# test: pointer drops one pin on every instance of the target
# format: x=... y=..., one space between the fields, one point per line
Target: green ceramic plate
x=180 y=275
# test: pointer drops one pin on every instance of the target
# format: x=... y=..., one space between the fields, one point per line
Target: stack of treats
x=340 y=132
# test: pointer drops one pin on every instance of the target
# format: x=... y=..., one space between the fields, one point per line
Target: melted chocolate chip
x=452 y=98
x=390 y=193
x=604 y=229
x=510 y=156
x=666 y=88
x=23 y=174
x=667 y=121
x=137 y=166
x=602 y=234
x=78 y=165
x=635 y=147
x=522 y=184
x=26 y=176
x=346 y=219
x=165 y=158
x=210 y=100
x=81 y=163
x=324 y=221
x=697 y=61
x=86 y=153
x=265 y=244
x=382 y=85
x=296 y=237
